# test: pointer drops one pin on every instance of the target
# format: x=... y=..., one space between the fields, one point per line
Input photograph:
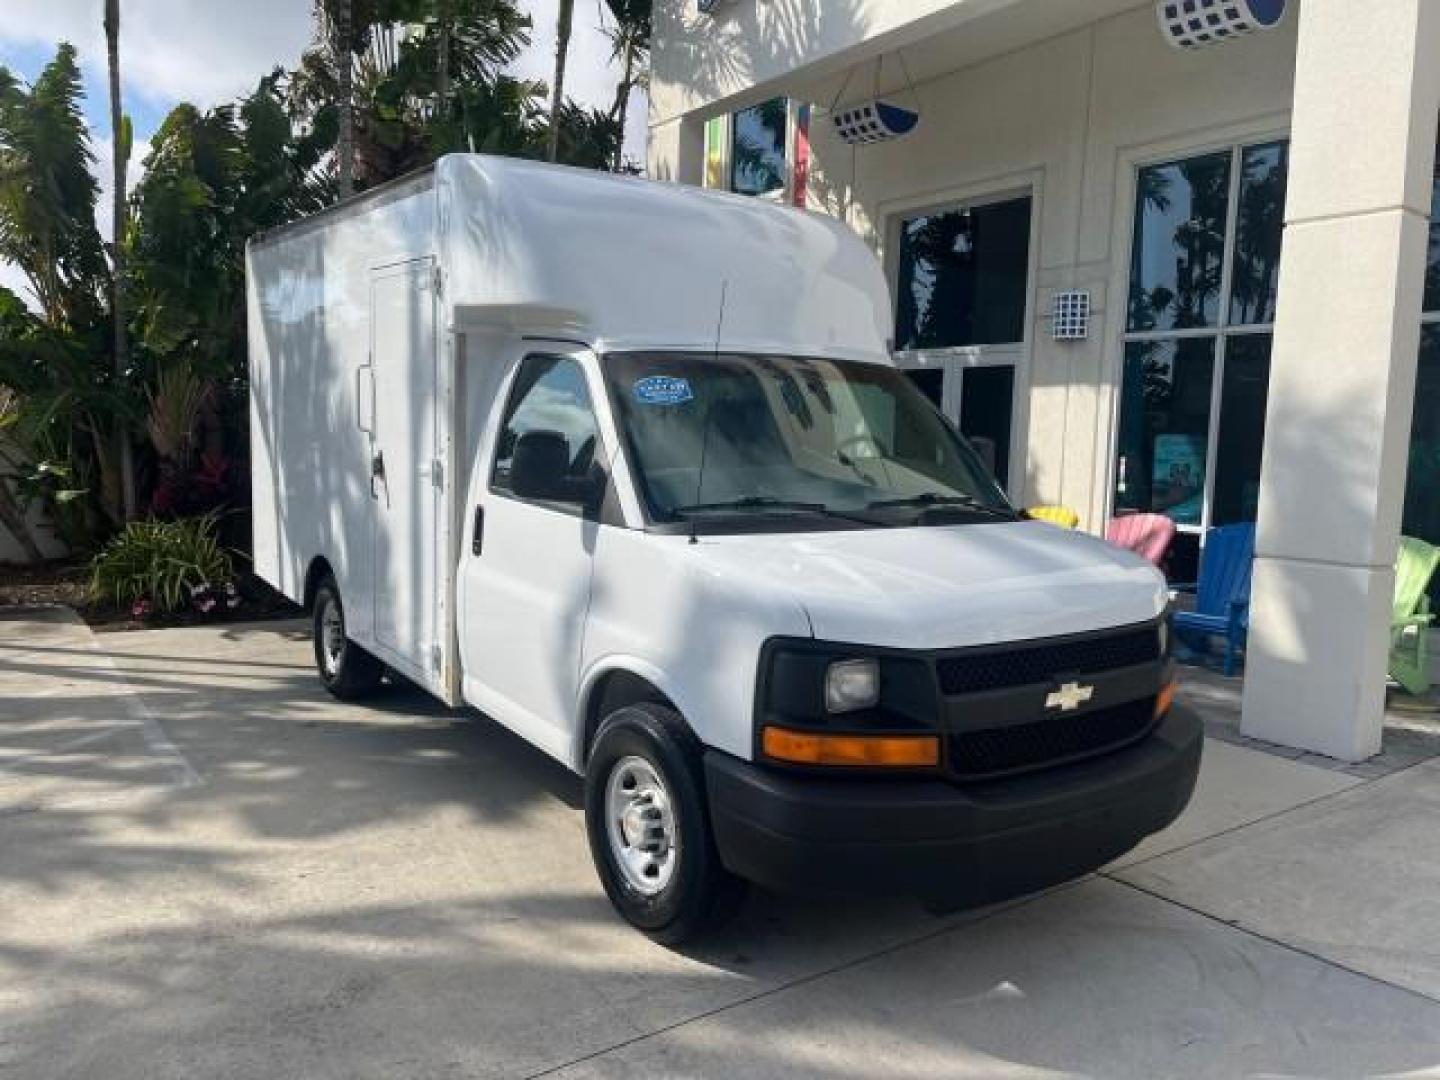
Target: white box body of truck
x=626 y=466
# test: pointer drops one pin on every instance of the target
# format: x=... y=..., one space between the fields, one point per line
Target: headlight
x=852 y=685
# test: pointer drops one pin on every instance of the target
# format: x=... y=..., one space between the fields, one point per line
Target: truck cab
x=714 y=552
x=784 y=621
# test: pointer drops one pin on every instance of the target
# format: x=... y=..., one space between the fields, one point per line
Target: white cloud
x=202 y=51
x=11 y=278
x=105 y=174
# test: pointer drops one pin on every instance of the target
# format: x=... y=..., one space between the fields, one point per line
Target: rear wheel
x=649 y=826
x=348 y=671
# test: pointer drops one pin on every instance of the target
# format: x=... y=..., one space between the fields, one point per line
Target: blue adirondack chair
x=1222 y=596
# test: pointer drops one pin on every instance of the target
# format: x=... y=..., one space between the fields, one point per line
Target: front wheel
x=649 y=827
x=348 y=671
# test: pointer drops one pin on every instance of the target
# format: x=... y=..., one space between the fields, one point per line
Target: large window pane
x=757 y=150
x=1259 y=221
x=1164 y=422
x=1179 y=245
x=931 y=383
x=962 y=277
x=1432 y=258
x=987 y=403
x=1243 y=389
x=1422 y=484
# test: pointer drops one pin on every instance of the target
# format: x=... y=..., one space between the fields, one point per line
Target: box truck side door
x=525 y=576
x=405 y=479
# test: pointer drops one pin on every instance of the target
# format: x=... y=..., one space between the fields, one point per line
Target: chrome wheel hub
x=640 y=825
x=332 y=635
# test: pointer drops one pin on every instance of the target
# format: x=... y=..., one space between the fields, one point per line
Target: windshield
x=779 y=436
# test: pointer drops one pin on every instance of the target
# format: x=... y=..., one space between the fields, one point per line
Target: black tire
x=700 y=893
x=348 y=672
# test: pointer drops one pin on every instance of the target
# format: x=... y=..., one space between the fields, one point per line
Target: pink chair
x=1148 y=535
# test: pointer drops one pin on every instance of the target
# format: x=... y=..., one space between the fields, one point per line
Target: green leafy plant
x=175 y=403
x=163 y=562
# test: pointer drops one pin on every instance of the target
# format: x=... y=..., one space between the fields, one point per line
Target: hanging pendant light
x=873 y=120
x=1194 y=24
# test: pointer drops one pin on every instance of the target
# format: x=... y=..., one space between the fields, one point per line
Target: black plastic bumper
x=964 y=845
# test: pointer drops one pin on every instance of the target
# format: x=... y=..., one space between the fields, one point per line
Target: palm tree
x=442 y=77
x=630 y=44
x=336 y=19
x=557 y=92
x=120 y=151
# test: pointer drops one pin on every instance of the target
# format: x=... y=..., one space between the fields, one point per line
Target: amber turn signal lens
x=1164 y=699
x=872 y=751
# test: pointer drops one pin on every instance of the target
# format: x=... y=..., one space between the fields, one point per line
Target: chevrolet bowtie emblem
x=1069 y=697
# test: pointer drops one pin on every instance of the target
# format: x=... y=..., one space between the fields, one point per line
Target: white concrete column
x=1342 y=377
x=675 y=151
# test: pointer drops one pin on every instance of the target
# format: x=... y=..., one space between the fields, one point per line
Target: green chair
x=1410 y=617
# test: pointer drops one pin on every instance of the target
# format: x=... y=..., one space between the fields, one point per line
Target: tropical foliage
x=68 y=406
x=169 y=565
x=387 y=86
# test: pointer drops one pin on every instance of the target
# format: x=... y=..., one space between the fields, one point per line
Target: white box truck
x=627 y=467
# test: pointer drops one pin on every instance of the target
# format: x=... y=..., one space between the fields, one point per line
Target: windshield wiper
x=765 y=502
x=928 y=499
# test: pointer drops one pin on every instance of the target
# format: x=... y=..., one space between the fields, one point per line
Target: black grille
x=1051 y=741
x=995 y=669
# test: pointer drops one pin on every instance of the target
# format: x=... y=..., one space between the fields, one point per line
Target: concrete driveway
x=208 y=868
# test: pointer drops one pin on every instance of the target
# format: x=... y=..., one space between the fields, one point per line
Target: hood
x=944 y=587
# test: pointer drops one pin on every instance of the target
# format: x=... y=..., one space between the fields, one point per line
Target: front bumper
x=965 y=846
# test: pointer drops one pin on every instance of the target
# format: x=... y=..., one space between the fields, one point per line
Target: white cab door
x=404 y=479
x=525 y=579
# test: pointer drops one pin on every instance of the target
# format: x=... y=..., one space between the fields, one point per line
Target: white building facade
x=1199 y=281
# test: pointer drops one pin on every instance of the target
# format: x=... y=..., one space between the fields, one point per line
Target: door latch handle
x=377 y=470
x=477 y=531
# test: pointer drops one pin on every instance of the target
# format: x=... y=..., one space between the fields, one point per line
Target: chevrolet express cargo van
x=626 y=466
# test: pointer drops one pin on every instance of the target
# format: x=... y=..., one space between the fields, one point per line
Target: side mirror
x=540 y=469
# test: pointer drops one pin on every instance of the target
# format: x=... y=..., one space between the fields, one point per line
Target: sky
x=208 y=52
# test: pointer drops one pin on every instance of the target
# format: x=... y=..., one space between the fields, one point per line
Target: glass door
x=977 y=395
x=962 y=296
x=987 y=413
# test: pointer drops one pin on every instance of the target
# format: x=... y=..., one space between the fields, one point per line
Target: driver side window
x=550 y=395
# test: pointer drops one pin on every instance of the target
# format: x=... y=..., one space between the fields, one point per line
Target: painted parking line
x=135 y=714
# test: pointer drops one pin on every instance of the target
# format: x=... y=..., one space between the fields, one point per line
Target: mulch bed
x=67 y=583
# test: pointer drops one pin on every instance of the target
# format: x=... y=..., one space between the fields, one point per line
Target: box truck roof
x=625 y=263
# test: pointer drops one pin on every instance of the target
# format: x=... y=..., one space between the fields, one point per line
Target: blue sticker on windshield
x=663 y=390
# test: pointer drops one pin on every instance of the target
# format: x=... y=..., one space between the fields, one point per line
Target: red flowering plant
x=181 y=492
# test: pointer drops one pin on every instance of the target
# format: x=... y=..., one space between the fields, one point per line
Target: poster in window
x=1179 y=484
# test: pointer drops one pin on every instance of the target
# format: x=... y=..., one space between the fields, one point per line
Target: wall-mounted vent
x=1070 y=316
